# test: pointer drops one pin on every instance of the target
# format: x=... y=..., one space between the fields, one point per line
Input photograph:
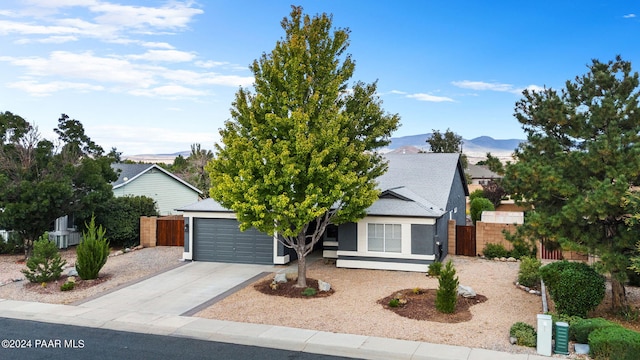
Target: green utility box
x=562 y=338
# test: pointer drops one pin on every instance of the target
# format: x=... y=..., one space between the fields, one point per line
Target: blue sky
x=156 y=76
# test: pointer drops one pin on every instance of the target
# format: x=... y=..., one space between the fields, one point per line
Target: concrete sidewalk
x=278 y=337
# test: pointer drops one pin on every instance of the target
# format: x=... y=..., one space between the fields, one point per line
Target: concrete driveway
x=183 y=290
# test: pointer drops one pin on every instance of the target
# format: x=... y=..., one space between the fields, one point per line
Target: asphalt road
x=27 y=340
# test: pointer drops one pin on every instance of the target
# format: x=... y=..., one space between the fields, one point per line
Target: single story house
x=168 y=190
x=405 y=229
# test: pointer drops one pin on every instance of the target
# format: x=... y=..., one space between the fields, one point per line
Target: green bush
x=521 y=250
x=92 y=252
x=614 y=343
x=45 y=263
x=495 y=251
x=120 y=217
x=562 y=318
x=69 y=285
x=478 y=193
x=309 y=292
x=524 y=333
x=529 y=273
x=576 y=288
x=477 y=206
x=447 y=293
x=579 y=330
x=394 y=303
x=435 y=268
x=13 y=245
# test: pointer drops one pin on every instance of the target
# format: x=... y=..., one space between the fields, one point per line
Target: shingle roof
x=482 y=172
x=414 y=185
x=129 y=172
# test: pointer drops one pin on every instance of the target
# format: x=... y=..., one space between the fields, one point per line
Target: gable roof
x=129 y=172
x=417 y=184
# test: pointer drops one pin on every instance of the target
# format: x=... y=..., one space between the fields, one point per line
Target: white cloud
x=169 y=91
x=165 y=56
x=208 y=78
x=210 y=64
x=169 y=16
x=398 y=92
x=159 y=45
x=45 y=89
x=492 y=86
x=481 y=85
x=429 y=98
x=629 y=16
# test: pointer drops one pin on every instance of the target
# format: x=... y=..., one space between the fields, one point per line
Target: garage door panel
x=221 y=240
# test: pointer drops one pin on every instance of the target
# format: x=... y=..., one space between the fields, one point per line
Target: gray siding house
x=169 y=191
x=405 y=229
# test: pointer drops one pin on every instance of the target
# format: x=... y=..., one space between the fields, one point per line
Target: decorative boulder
x=323 y=286
x=466 y=291
x=72 y=271
x=280 y=278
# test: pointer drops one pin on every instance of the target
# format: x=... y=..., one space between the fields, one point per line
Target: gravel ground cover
x=118 y=270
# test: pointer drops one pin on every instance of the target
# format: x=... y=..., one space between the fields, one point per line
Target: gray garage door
x=221 y=240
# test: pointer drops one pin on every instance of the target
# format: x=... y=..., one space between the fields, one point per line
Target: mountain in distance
x=476 y=149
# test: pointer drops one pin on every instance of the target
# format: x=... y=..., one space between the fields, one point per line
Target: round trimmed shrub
x=576 y=288
x=614 y=343
x=579 y=330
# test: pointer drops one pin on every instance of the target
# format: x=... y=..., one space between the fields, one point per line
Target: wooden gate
x=550 y=254
x=466 y=240
x=170 y=231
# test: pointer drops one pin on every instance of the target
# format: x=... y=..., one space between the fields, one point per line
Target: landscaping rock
x=511 y=259
x=323 y=286
x=71 y=279
x=466 y=291
x=280 y=278
x=126 y=250
x=71 y=271
x=513 y=340
x=503 y=259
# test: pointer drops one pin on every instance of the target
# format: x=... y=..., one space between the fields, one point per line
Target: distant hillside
x=480 y=144
x=475 y=149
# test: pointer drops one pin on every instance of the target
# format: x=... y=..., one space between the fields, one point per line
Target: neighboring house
x=168 y=191
x=150 y=180
x=405 y=229
x=481 y=175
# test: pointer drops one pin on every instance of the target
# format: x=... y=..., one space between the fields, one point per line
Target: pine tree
x=447 y=293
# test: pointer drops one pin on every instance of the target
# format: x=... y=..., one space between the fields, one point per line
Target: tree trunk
x=618 y=295
x=302 y=267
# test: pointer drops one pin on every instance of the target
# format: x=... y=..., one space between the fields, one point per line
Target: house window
x=384 y=237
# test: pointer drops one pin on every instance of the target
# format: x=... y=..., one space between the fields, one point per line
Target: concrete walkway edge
x=270 y=336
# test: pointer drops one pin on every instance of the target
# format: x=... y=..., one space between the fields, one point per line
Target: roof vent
x=126 y=178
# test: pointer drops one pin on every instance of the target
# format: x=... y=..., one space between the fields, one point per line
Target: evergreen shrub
x=447 y=293
x=45 y=263
x=92 y=252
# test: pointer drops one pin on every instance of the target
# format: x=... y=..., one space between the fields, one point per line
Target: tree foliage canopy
x=41 y=180
x=580 y=160
x=299 y=152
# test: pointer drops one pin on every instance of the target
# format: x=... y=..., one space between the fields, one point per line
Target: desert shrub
x=13 y=245
x=614 y=343
x=579 y=330
x=529 y=273
x=69 y=285
x=524 y=333
x=477 y=206
x=309 y=292
x=92 y=252
x=447 y=293
x=576 y=288
x=45 y=263
x=521 y=249
x=435 y=268
x=495 y=251
x=394 y=303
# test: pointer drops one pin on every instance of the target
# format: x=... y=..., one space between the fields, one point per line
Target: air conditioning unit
x=62 y=241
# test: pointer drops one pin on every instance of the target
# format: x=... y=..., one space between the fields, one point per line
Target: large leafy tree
x=579 y=163
x=447 y=142
x=41 y=180
x=299 y=153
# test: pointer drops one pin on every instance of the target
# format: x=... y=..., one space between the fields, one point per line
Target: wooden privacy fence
x=466 y=240
x=164 y=231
